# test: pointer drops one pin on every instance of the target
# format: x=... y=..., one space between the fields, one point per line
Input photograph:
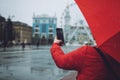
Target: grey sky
x=23 y=9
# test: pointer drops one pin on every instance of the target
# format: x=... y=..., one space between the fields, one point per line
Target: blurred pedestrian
x=23 y=45
x=37 y=44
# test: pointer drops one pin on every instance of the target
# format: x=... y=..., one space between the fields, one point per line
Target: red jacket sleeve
x=70 y=61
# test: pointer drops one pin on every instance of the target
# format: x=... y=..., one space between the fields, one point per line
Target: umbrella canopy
x=103 y=17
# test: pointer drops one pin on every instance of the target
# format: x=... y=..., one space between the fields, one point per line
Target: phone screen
x=60 y=35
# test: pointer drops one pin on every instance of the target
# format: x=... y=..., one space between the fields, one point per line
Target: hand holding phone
x=60 y=36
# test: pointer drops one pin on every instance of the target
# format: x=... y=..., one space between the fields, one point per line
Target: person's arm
x=70 y=61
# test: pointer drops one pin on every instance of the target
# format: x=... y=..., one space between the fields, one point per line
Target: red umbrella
x=103 y=17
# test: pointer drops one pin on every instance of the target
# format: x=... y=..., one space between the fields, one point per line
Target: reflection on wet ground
x=29 y=65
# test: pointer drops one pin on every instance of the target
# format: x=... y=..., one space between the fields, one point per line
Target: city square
x=25 y=48
x=32 y=63
x=59 y=40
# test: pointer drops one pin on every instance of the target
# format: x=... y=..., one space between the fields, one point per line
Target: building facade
x=80 y=35
x=76 y=31
x=23 y=33
x=2 y=25
x=44 y=29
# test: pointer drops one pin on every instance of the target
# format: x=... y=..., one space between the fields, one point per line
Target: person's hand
x=57 y=41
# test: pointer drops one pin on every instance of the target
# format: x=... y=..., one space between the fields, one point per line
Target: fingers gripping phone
x=60 y=35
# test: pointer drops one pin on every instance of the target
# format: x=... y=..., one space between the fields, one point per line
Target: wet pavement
x=29 y=64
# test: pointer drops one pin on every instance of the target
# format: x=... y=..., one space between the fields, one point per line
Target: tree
x=2 y=25
x=9 y=34
x=5 y=38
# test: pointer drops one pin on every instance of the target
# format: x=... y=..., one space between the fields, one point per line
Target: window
x=50 y=35
x=84 y=34
x=49 y=21
x=50 y=26
x=35 y=20
x=52 y=21
x=36 y=30
x=44 y=21
x=50 y=30
x=36 y=35
x=44 y=28
x=36 y=26
x=81 y=27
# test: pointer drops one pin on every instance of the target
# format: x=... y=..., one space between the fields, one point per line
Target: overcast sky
x=23 y=10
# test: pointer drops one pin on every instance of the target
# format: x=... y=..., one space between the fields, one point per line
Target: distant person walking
x=23 y=45
x=37 y=44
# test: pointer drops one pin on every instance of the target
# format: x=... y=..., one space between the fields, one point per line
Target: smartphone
x=60 y=35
